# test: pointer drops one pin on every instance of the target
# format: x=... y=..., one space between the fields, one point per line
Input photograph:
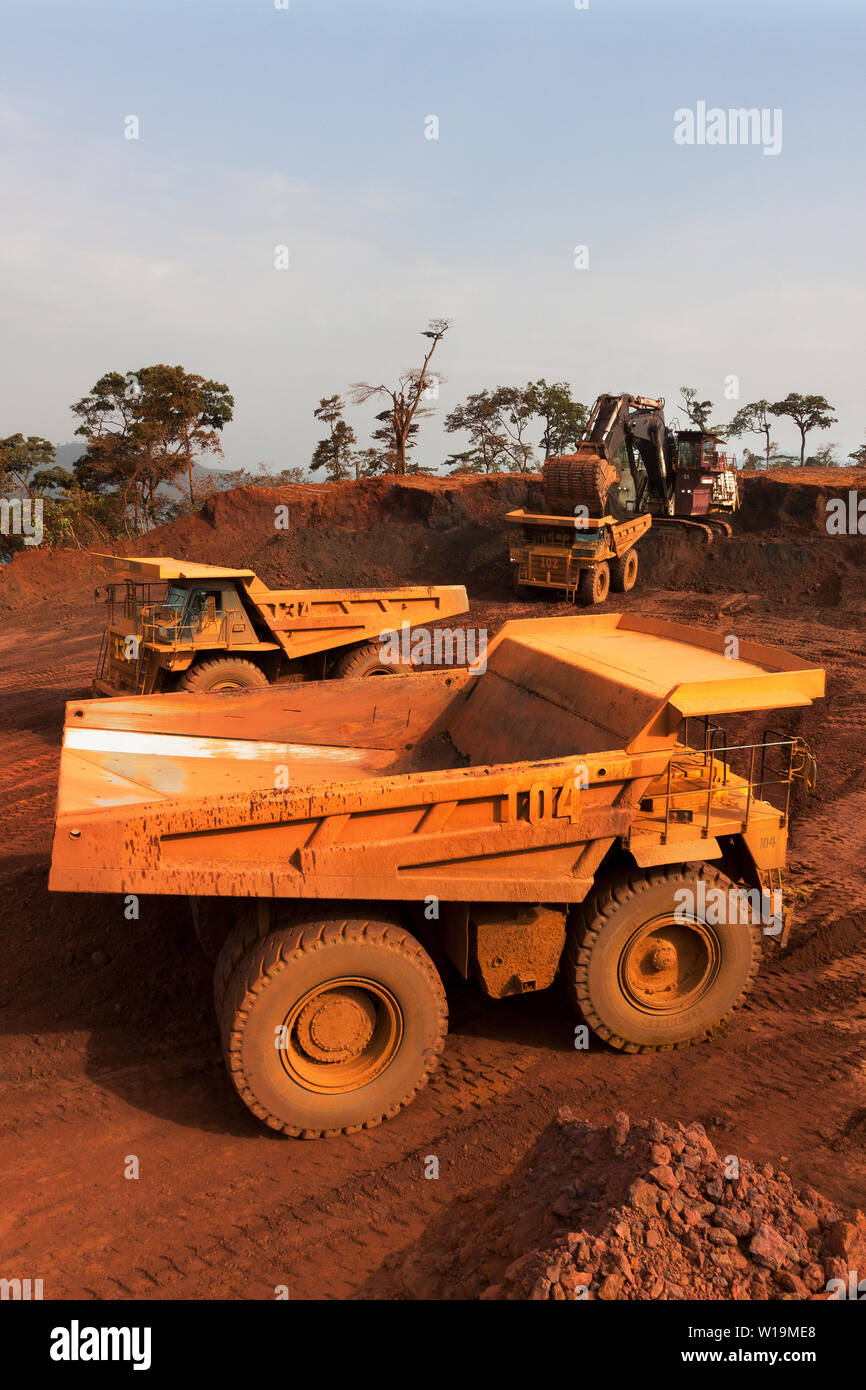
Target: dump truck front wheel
x=521 y=590
x=594 y=584
x=332 y=1026
x=623 y=572
x=367 y=660
x=223 y=675
x=645 y=966
x=212 y=919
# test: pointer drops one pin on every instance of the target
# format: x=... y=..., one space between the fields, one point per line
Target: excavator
x=631 y=471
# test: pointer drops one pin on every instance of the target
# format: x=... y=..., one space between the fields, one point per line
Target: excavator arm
x=590 y=478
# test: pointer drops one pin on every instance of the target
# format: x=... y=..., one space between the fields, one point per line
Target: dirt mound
x=637 y=1211
x=834 y=939
x=423 y=530
x=793 y=498
x=376 y=531
x=826 y=571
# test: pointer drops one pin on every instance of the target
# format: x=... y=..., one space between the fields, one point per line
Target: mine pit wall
x=452 y=530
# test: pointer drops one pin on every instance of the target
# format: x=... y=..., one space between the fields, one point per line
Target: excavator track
x=700 y=529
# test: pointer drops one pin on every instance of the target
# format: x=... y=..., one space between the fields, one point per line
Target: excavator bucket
x=581 y=480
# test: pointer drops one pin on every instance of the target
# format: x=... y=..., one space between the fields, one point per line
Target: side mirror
x=210 y=609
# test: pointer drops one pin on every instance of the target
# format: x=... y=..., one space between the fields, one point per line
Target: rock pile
x=642 y=1211
x=691 y=1224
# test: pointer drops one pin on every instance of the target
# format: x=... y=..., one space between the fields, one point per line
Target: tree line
x=144 y=432
x=498 y=423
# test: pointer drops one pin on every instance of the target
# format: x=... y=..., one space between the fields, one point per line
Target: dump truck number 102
x=571 y=811
x=177 y=625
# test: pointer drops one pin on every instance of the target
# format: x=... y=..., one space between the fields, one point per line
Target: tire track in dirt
x=224 y=1209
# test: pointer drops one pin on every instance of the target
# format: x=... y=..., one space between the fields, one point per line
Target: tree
x=859 y=456
x=262 y=475
x=751 y=460
x=515 y=406
x=753 y=418
x=469 y=461
x=334 y=452
x=699 y=412
x=190 y=410
x=405 y=398
x=564 y=418
x=825 y=457
x=370 y=461
x=285 y=476
x=808 y=413
x=28 y=462
x=143 y=428
x=122 y=447
x=479 y=417
x=386 y=450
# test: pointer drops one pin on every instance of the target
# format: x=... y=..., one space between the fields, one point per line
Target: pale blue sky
x=261 y=126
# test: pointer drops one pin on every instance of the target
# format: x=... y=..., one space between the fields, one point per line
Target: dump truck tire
x=332 y=1026
x=524 y=591
x=212 y=922
x=223 y=674
x=645 y=982
x=250 y=928
x=623 y=572
x=366 y=660
x=594 y=584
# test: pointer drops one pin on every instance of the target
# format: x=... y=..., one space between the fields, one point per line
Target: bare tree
x=405 y=398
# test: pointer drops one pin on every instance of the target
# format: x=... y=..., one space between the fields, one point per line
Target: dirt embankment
x=377 y=531
x=794 y=499
x=452 y=530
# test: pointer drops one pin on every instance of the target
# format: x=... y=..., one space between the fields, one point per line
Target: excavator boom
x=590 y=479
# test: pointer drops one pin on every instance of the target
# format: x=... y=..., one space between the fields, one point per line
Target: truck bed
x=450 y=783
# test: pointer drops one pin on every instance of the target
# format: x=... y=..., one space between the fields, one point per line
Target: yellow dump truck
x=573 y=809
x=585 y=557
x=177 y=625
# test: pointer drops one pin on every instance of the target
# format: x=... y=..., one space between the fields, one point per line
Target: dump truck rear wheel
x=366 y=660
x=332 y=1026
x=594 y=584
x=223 y=675
x=646 y=969
x=251 y=927
x=623 y=572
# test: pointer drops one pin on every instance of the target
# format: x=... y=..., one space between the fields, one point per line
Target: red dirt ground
x=109 y=1047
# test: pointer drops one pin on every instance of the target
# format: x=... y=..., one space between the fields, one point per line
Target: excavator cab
x=706 y=480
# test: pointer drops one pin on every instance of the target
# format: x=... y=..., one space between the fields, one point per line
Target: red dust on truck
x=572 y=810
